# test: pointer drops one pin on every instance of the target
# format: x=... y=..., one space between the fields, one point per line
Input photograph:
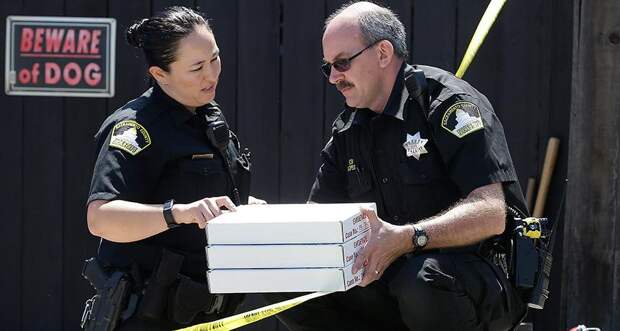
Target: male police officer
x=429 y=150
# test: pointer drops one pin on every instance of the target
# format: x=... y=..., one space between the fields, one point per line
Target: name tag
x=202 y=156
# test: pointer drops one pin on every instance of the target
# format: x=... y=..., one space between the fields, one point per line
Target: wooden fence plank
x=258 y=119
x=434 y=34
x=42 y=286
x=592 y=235
x=11 y=176
x=525 y=69
x=553 y=120
x=302 y=99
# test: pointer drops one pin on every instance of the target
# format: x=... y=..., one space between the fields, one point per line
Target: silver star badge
x=414 y=145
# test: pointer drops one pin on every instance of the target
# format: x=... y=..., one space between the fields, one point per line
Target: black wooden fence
x=276 y=99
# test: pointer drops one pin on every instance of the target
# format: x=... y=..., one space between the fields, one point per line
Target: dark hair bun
x=158 y=37
x=135 y=33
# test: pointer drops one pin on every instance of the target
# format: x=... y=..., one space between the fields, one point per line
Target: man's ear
x=386 y=53
x=160 y=75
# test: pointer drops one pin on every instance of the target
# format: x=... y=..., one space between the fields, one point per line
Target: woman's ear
x=160 y=75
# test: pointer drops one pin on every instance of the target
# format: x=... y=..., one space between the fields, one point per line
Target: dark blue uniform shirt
x=154 y=149
x=421 y=155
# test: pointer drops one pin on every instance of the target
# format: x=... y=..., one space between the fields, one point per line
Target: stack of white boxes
x=286 y=248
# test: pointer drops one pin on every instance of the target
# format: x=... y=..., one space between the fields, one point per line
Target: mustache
x=343 y=84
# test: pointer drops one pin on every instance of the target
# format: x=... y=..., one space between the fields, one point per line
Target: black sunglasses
x=342 y=65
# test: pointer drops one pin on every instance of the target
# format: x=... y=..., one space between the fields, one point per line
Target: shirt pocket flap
x=202 y=166
x=416 y=172
x=358 y=183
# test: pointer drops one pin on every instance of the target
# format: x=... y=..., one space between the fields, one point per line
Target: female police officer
x=167 y=164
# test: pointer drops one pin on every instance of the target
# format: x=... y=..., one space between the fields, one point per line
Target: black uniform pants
x=135 y=323
x=430 y=291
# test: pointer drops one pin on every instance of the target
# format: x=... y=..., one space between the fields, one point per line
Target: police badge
x=414 y=145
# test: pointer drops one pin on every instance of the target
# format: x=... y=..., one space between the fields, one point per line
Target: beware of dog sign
x=60 y=56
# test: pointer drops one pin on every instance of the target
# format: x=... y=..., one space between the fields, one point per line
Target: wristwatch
x=419 y=238
x=168 y=214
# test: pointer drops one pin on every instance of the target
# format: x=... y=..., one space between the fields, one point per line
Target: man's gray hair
x=379 y=24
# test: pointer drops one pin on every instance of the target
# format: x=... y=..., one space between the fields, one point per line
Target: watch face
x=422 y=241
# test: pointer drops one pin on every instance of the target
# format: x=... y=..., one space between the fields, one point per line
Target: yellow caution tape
x=239 y=320
x=495 y=6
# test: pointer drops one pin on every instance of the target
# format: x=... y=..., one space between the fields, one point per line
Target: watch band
x=170 y=222
x=419 y=238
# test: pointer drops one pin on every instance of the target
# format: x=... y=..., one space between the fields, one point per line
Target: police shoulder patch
x=130 y=137
x=462 y=118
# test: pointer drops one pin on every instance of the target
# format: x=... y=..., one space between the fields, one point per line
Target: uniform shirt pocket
x=190 y=180
x=414 y=172
x=359 y=183
x=426 y=189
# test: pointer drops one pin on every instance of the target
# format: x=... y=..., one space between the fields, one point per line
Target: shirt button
x=396 y=218
x=384 y=180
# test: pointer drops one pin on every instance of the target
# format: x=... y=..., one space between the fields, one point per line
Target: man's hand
x=201 y=211
x=386 y=243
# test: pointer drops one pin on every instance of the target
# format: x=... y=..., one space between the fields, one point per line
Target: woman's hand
x=201 y=211
x=254 y=201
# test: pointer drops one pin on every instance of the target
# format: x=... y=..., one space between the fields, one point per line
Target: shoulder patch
x=130 y=137
x=462 y=118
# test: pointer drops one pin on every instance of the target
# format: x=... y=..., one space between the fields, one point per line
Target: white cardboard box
x=282 y=280
x=286 y=255
x=289 y=224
